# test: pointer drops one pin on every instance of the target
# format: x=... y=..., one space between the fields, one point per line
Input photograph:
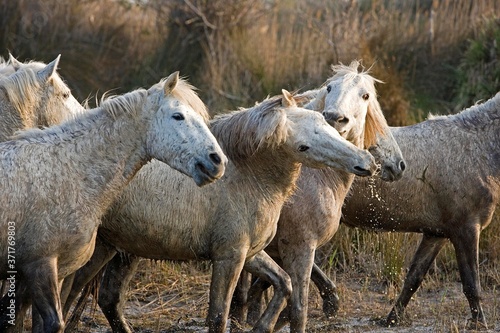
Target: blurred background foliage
x=436 y=56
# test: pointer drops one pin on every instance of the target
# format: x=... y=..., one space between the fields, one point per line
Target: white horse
x=33 y=95
x=348 y=101
x=58 y=183
x=231 y=222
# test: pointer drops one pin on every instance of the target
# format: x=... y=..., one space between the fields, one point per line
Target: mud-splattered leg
x=424 y=256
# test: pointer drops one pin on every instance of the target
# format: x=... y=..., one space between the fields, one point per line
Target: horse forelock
x=242 y=133
x=352 y=72
x=186 y=94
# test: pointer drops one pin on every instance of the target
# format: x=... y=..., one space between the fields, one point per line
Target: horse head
x=348 y=101
x=41 y=96
x=317 y=144
x=180 y=109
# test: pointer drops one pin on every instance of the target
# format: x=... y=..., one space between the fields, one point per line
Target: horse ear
x=50 y=69
x=171 y=82
x=287 y=100
x=14 y=62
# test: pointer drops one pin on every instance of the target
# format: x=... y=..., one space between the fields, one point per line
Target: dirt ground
x=179 y=304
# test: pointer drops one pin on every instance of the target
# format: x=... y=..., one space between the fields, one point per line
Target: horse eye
x=303 y=148
x=365 y=96
x=328 y=88
x=66 y=95
x=178 y=116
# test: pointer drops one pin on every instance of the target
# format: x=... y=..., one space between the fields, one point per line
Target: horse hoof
x=474 y=324
x=330 y=308
x=390 y=321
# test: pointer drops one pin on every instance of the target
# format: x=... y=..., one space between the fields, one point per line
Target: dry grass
x=238 y=52
x=173 y=297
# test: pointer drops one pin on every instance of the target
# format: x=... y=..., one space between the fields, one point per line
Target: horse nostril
x=402 y=165
x=342 y=120
x=215 y=158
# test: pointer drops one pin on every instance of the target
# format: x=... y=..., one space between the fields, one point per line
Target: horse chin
x=202 y=176
x=387 y=174
x=202 y=180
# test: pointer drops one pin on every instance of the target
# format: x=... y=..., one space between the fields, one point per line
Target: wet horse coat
x=57 y=184
x=312 y=215
x=231 y=222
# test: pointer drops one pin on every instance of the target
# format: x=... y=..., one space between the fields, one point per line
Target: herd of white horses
x=256 y=191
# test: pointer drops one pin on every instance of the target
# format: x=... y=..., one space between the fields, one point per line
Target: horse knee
x=286 y=286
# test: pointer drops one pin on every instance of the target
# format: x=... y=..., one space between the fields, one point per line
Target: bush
x=479 y=69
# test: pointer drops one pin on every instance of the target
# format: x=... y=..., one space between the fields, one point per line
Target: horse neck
x=123 y=141
x=106 y=152
x=338 y=181
x=272 y=174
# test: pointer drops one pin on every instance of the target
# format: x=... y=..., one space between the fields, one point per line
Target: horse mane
x=375 y=122
x=243 y=132
x=5 y=67
x=114 y=106
x=477 y=115
x=21 y=90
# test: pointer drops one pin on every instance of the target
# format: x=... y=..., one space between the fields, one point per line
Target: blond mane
x=241 y=133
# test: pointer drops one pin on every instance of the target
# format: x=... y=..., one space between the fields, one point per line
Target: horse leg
x=112 y=292
x=45 y=295
x=466 y=246
x=327 y=290
x=103 y=253
x=13 y=308
x=239 y=302
x=265 y=268
x=256 y=301
x=427 y=251
x=298 y=261
x=225 y=273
